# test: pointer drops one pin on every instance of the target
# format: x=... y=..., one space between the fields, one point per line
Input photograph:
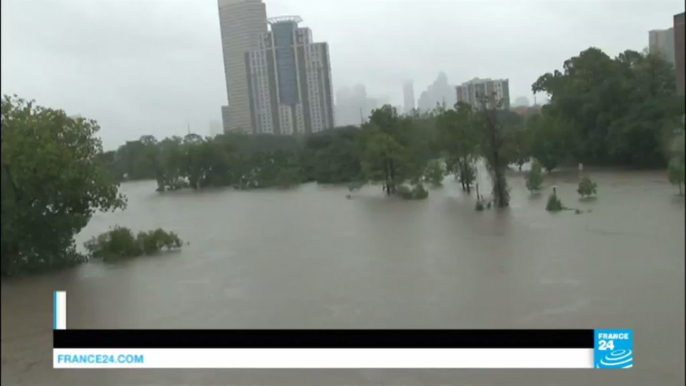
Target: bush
x=554 y=204
x=534 y=178
x=419 y=193
x=120 y=243
x=587 y=187
x=434 y=173
x=479 y=206
x=404 y=192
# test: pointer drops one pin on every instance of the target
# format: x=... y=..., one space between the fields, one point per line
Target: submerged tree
x=53 y=180
x=587 y=187
x=434 y=173
x=457 y=136
x=534 y=178
x=494 y=148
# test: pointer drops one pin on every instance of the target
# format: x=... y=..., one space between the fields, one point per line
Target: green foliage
x=554 y=204
x=675 y=173
x=587 y=187
x=534 y=178
x=434 y=173
x=404 y=192
x=550 y=140
x=456 y=132
x=418 y=192
x=615 y=111
x=288 y=178
x=520 y=146
x=496 y=127
x=53 y=180
x=120 y=243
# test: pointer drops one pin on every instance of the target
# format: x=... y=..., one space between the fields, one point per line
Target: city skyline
x=241 y=23
x=158 y=65
x=289 y=76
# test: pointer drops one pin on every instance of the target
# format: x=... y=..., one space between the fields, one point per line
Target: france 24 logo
x=613 y=349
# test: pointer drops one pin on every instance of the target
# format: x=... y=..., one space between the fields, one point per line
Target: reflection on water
x=310 y=258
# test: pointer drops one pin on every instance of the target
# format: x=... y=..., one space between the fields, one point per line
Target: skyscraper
x=471 y=92
x=289 y=80
x=241 y=23
x=662 y=42
x=408 y=96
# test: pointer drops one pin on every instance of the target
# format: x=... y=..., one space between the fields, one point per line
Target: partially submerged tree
x=587 y=187
x=494 y=148
x=456 y=134
x=120 y=243
x=534 y=178
x=434 y=173
x=53 y=180
x=554 y=203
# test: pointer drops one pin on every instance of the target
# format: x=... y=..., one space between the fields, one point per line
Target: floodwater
x=310 y=258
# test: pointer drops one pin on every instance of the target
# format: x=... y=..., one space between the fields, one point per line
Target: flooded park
x=310 y=258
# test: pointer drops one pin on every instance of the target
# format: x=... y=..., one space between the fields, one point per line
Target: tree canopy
x=53 y=180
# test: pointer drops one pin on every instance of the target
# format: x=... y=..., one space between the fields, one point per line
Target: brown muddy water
x=310 y=258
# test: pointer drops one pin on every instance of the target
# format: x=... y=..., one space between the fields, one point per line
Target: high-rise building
x=353 y=107
x=289 y=80
x=408 y=96
x=496 y=90
x=439 y=93
x=662 y=42
x=679 y=36
x=241 y=23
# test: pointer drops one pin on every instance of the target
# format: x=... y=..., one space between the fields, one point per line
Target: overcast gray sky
x=154 y=66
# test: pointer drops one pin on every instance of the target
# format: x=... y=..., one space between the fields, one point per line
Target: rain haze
x=155 y=67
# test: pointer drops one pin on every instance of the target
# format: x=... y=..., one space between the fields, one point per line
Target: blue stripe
x=54 y=301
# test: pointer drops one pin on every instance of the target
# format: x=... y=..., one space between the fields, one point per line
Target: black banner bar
x=139 y=339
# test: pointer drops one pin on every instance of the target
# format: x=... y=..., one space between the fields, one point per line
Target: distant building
x=241 y=22
x=408 y=96
x=290 y=80
x=679 y=51
x=226 y=119
x=471 y=92
x=353 y=107
x=662 y=42
x=215 y=128
x=440 y=92
x=521 y=101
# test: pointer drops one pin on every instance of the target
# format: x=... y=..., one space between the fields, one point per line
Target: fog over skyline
x=155 y=66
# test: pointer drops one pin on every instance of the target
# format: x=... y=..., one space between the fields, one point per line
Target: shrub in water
x=434 y=173
x=419 y=193
x=404 y=192
x=534 y=178
x=587 y=187
x=120 y=243
x=554 y=204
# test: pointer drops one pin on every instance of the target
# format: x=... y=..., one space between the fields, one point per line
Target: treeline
x=603 y=111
